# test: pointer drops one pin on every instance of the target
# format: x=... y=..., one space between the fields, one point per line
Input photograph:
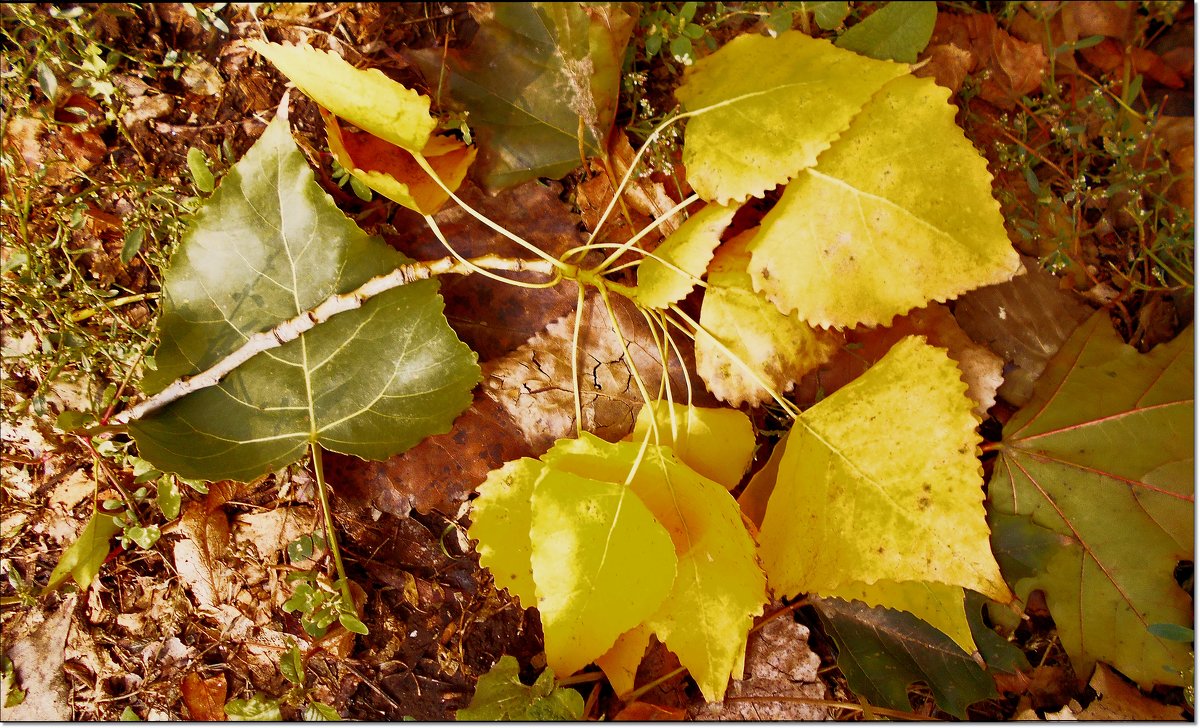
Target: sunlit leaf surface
x=267 y=246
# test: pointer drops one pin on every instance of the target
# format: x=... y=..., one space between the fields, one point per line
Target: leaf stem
x=429 y=170
x=330 y=532
x=644 y=232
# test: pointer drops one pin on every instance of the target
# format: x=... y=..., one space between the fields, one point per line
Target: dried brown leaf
x=980 y=369
x=440 y=472
x=1117 y=700
x=534 y=384
x=1009 y=67
x=203 y=697
x=1025 y=320
x=491 y=317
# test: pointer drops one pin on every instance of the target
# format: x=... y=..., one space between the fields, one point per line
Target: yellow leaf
x=500 y=519
x=779 y=349
x=881 y=480
x=718 y=443
x=621 y=662
x=366 y=98
x=601 y=562
x=897 y=212
x=940 y=605
x=393 y=171
x=768 y=121
x=718 y=588
x=689 y=248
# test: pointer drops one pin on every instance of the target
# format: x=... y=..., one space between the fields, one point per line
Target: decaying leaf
x=200 y=557
x=1093 y=499
x=1009 y=68
x=438 y=473
x=862 y=237
x=756 y=99
x=539 y=82
x=776 y=348
x=533 y=383
x=1117 y=700
x=204 y=697
x=897 y=501
x=1024 y=320
x=266 y=247
x=979 y=368
x=780 y=664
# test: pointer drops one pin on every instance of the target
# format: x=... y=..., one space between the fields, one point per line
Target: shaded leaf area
x=500 y=695
x=1093 y=499
x=539 y=82
x=491 y=317
x=268 y=246
x=1024 y=320
x=1008 y=66
x=883 y=651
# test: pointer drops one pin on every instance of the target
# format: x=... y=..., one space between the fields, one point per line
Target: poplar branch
x=291 y=329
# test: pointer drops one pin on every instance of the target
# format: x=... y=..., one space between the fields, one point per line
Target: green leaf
x=757 y=96
x=881 y=480
x=1093 y=499
x=168 y=497
x=371 y=382
x=539 y=82
x=291 y=665
x=883 y=651
x=133 y=243
x=47 y=81
x=366 y=98
x=352 y=623
x=144 y=536
x=898 y=212
x=129 y=715
x=500 y=695
x=938 y=605
x=10 y=693
x=829 y=15
x=898 y=31
x=197 y=162
x=259 y=708
x=689 y=248
x=316 y=711
x=83 y=559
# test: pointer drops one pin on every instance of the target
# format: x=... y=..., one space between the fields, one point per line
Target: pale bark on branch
x=291 y=329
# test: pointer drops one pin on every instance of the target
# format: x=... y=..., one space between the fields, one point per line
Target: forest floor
x=113 y=113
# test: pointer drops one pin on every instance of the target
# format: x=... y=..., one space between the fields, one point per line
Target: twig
x=291 y=329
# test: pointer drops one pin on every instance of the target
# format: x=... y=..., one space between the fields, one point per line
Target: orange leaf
x=204 y=698
x=393 y=172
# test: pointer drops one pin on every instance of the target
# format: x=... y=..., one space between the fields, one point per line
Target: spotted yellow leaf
x=881 y=480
